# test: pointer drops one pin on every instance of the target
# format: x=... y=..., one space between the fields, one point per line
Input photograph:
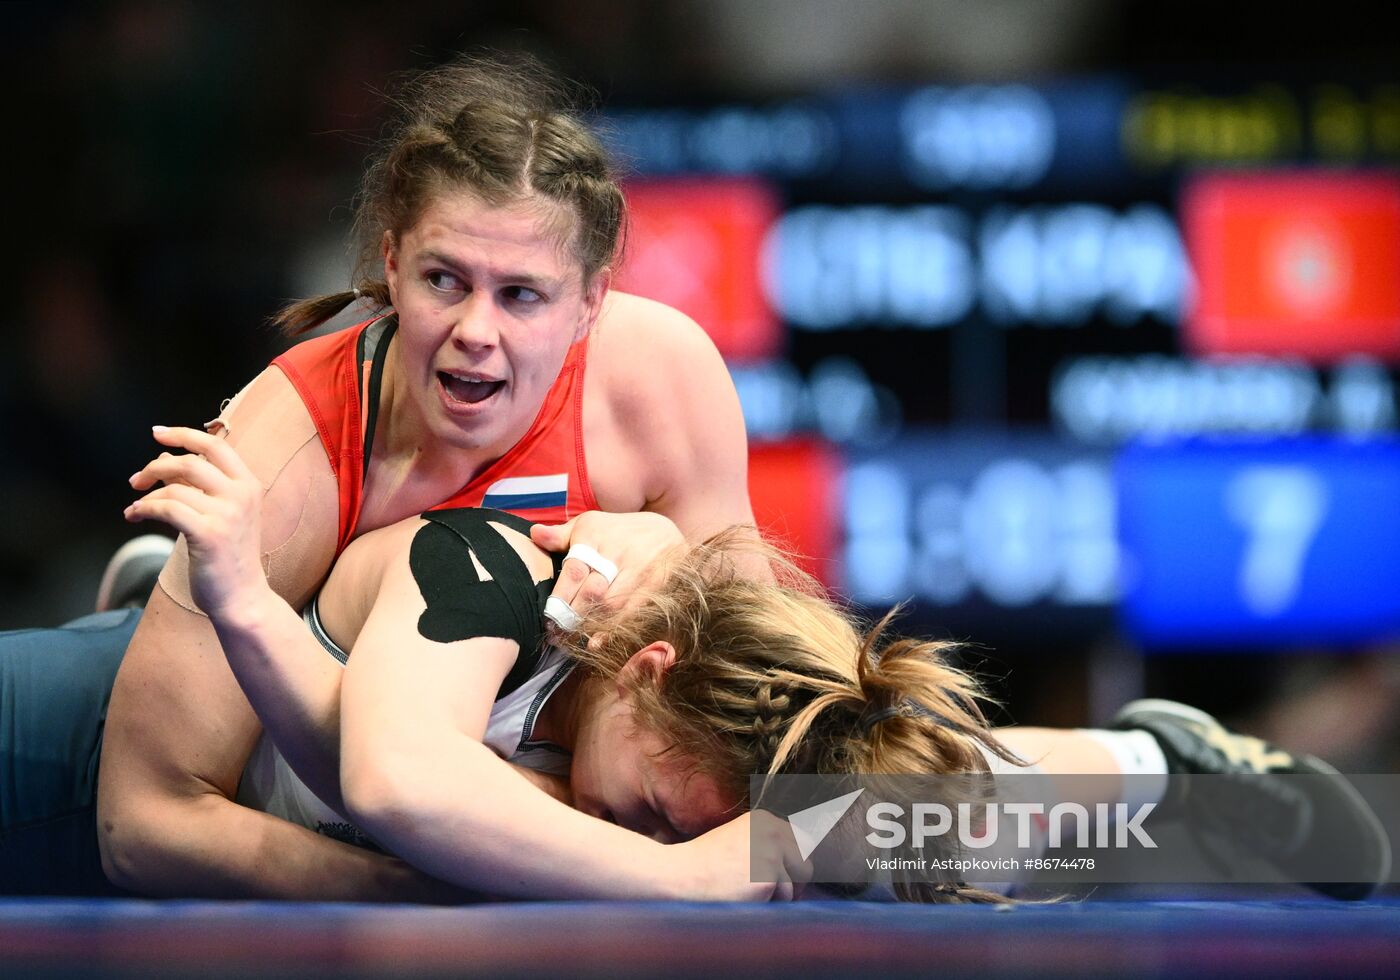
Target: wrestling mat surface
x=128 y=938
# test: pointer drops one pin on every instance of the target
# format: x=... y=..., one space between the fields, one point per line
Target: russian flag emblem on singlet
x=517 y=493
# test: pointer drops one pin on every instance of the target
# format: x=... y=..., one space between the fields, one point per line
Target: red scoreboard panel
x=795 y=487
x=696 y=245
x=1294 y=263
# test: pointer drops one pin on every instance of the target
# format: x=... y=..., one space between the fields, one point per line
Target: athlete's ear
x=595 y=291
x=650 y=662
x=389 y=249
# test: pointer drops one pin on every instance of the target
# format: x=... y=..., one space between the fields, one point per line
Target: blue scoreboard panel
x=1245 y=544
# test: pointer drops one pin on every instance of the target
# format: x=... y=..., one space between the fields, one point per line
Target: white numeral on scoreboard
x=1281 y=509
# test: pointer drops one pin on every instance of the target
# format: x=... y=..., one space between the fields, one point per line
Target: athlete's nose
x=476 y=326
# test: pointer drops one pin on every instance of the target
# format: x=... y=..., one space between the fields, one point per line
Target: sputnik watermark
x=1304 y=827
x=811 y=825
x=1111 y=824
x=977 y=826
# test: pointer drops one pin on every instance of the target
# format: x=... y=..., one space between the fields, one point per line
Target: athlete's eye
x=522 y=294
x=443 y=281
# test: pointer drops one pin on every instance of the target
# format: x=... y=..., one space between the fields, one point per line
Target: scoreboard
x=1053 y=357
x=1288 y=542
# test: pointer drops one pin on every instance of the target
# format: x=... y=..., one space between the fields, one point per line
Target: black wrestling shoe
x=1290 y=822
x=132 y=572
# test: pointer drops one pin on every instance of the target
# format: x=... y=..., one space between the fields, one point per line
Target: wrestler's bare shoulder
x=648 y=360
x=633 y=330
x=656 y=386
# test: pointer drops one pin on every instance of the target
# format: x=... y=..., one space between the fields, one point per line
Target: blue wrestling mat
x=125 y=938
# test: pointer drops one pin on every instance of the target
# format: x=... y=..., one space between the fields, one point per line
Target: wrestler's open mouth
x=466 y=390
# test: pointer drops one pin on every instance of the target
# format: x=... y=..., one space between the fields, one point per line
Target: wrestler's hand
x=636 y=543
x=716 y=867
x=213 y=499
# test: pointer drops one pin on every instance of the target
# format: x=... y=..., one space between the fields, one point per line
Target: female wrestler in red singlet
x=504 y=373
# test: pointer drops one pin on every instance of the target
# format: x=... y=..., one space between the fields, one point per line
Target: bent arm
x=703 y=485
x=667 y=420
x=179 y=730
x=665 y=437
x=178 y=735
x=487 y=827
x=212 y=496
x=294 y=687
x=418 y=779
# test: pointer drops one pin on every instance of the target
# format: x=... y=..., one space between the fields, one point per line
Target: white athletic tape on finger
x=593 y=560
x=561 y=613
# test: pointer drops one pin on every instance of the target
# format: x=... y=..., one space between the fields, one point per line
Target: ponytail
x=919 y=714
x=297 y=318
x=921 y=717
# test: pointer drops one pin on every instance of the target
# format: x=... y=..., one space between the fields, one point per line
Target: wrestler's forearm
x=206 y=846
x=292 y=683
x=488 y=828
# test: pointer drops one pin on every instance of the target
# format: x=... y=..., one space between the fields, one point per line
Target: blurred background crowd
x=1073 y=324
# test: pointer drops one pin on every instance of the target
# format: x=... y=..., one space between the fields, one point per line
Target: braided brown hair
x=502 y=128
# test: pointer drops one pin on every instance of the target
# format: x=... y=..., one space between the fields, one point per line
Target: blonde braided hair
x=773 y=677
